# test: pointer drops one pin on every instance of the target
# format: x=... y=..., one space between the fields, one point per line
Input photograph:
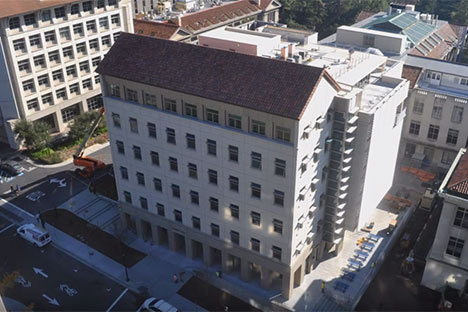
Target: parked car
x=157 y=305
x=13 y=168
x=34 y=235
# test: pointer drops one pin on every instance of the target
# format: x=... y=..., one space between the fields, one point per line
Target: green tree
x=81 y=125
x=35 y=135
x=460 y=16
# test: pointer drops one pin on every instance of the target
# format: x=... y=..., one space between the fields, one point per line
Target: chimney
x=284 y=55
x=177 y=20
x=291 y=50
x=258 y=2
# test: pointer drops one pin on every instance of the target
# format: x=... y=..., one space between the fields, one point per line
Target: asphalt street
x=46 y=279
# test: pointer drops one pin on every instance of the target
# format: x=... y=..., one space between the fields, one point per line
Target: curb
x=97 y=147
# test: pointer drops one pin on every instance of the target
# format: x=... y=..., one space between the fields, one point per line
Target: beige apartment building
x=49 y=51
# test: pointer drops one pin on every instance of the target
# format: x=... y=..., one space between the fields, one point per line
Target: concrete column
x=266 y=277
x=188 y=247
x=138 y=226
x=170 y=238
x=206 y=255
x=59 y=121
x=245 y=270
x=154 y=233
x=287 y=289
x=225 y=261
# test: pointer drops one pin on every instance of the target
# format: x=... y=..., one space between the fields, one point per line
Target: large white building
x=447 y=261
x=436 y=126
x=247 y=162
x=49 y=51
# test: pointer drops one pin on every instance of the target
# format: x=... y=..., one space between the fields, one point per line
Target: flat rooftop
x=240 y=35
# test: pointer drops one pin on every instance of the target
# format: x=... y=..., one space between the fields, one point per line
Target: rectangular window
x=452 y=136
x=30 y=19
x=214 y=229
x=235 y=121
x=457 y=114
x=75 y=88
x=418 y=107
x=157 y=184
x=154 y=158
x=278 y=226
x=143 y=203
x=256 y=190
x=455 y=246
x=280 y=167
x=95 y=61
x=212 y=115
x=131 y=95
x=43 y=80
x=214 y=204
x=115 y=19
x=233 y=153
x=105 y=41
x=49 y=36
x=437 y=112
x=47 y=99
x=120 y=147
x=151 y=130
x=94 y=102
x=133 y=125
x=87 y=6
x=234 y=183
x=258 y=127
x=235 y=237
x=100 y=4
x=127 y=197
x=211 y=147
x=255 y=244
x=91 y=26
x=64 y=33
x=54 y=56
x=194 y=198
x=32 y=104
x=116 y=36
x=140 y=178
x=283 y=134
x=114 y=90
x=461 y=217
x=448 y=157
x=68 y=52
x=160 y=209
x=190 y=110
x=414 y=127
x=173 y=164
x=150 y=99
x=192 y=171
x=178 y=215
x=276 y=253
x=116 y=120
x=256 y=160
x=190 y=141
x=124 y=173
x=71 y=70
x=28 y=85
x=255 y=218
x=196 y=223
x=81 y=48
x=39 y=60
x=137 y=152
x=170 y=105
x=278 y=198
x=57 y=75
x=61 y=94
x=59 y=12
x=175 y=191
x=104 y=22
x=19 y=44
x=213 y=176
x=87 y=85
x=234 y=209
x=171 y=139
x=78 y=29
x=46 y=16
x=433 y=132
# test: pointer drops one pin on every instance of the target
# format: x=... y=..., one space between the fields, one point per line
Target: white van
x=157 y=305
x=33 y=234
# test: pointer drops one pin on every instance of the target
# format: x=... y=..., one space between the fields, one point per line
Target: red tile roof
x=411 y=73
x=443 y=47
x=458 y=183
x=15 y=7
x=161 y=30
x=272 y=86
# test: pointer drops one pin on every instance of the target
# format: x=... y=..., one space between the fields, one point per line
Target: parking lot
x=46 y=279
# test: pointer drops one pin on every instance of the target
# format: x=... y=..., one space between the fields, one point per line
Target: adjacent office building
x=447 y=261
x=246 y=162
x=49 y=51
x=436 y=125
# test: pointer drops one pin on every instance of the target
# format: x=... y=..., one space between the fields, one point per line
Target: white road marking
x=4 y=229
x=16 y=207
x=39 y=271
x=51 y=301
x=117 y=300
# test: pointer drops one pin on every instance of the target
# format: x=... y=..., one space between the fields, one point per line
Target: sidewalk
x=151 y=276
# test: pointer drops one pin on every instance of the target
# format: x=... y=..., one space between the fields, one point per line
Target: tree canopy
x=34 y=134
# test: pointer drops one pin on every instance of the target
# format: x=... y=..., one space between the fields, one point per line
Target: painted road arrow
x=51 y=301
x=39 y=271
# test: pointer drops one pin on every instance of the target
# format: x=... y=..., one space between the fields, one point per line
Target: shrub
x=82 y=124
x=34 y=134
x=42 y=153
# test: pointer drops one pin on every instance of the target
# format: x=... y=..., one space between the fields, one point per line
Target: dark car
x=12 y=168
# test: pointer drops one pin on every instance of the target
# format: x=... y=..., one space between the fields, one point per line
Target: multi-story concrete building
x=49 y=50
x=247 y=162
x=436 y=126
x=447 y=261
x=182 y=26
